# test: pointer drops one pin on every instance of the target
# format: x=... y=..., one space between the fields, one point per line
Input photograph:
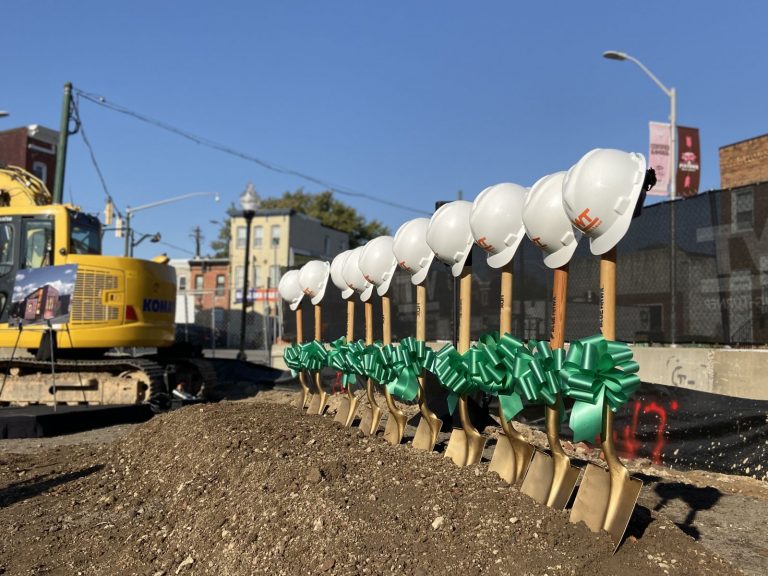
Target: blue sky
x=407 y=101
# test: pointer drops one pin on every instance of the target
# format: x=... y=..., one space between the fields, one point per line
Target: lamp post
x=129 y=244
x=672 y=95
x=249 y=201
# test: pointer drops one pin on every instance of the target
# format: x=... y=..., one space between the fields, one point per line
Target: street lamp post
x=249 y=201
x=672 y=95
x=129 y=244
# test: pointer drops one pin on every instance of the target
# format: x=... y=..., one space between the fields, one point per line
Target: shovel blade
x=457 y=447
x=318 y=403
x=511 y=459
x=426 y=433
x=550 y=482
x=353 y=401
x=395 y=428
x=300 y=399
x=597 y=496
x=369 y=423
x=342 y=412
x=475 y=447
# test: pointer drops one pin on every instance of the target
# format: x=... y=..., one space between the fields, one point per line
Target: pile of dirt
x=258 y=488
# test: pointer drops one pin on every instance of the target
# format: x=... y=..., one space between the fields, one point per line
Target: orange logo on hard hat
x=308 y=292
x=483 y=243
x=538 y=243
x=585 y=223
x=404 y=266
x=368 y=278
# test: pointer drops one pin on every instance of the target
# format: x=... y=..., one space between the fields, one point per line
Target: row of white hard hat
x=596 y=197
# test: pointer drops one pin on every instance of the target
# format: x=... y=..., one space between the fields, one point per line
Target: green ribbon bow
x=492 y=369
x=597 y=370
x=292 y=359
x=453 y=371
x=338 y=359
x=409 y=359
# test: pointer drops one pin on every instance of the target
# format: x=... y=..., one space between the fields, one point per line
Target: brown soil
x=258 y=488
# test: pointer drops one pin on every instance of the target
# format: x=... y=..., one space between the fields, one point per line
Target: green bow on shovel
x=341 y=357
x=597 y=370
x=492 y=369
x=453 y=371
x=409 y=359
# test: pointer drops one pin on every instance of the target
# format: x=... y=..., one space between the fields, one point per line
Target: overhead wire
x=343 y=190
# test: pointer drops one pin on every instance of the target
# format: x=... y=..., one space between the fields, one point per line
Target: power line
x=343 y=190
x=81 y=128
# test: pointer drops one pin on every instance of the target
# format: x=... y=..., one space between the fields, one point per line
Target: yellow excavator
x=117 y=303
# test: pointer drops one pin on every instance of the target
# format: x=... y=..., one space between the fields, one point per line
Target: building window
x=257 y=276
x=40 y=169
x=742 y=210
x=239 y=277
x=275 y=235
x=327 y=246
x=199 y=282
x=220 y=280
x=240 y=238
x=258 y=236
x=182 y=283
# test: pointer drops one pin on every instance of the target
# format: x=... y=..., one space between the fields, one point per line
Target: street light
x=672 y=95
x=129 y=244
x=249 y=202
x=4 y=113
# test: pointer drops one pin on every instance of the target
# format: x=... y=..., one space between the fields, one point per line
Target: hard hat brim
x=612 y=237
x=295 y=305
x=562 y=256
x=365 y=295
x=347 y=292
x=459 y=266
x=317 y=298
x=506 y=255
x=419 y=277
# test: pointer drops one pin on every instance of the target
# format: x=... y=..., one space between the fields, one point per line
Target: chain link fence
x=689 y=271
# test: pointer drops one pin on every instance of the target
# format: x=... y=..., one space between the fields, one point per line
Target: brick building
x=744 y=163
x=33 y=148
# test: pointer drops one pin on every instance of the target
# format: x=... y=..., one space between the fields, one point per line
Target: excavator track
x=115 y=380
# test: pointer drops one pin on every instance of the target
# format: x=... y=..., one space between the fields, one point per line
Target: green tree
x=330 y=212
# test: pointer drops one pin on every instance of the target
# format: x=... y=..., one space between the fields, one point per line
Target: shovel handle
x=318 y=323
x=505 y=304
x=608 y=327
x=557 y=340
x=386 y=320
x=350 y=320
x=299 y=326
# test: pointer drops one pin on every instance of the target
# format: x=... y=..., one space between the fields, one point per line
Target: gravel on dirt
x=258 y=488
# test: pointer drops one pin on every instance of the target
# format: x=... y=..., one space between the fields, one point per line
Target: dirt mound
x=255 y=488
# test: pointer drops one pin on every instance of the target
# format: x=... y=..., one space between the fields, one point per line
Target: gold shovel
x=429 y=424
x=607 y=498
x=512 y=454
x=346 y=412
x=302 y=397
x=369 y=423
x=466 y=444
x=395 y=427
x=319 y=401
x=551 y=479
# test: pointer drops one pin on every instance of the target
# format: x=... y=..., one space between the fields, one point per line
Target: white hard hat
x=600 y=193
x=337 y=274
x=449 y=234
x=313 y=278
x=411 y=250
x=497 y=221
x=354 y=278
x=290 y=289
x=547 y=224
x=378 y=263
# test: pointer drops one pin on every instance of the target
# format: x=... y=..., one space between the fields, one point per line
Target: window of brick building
x=199 y=282
x=258 y=236
x=220 y=281
x=240 y=237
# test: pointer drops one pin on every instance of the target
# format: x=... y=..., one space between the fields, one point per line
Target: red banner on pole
x=688 y=161
x=659 y=156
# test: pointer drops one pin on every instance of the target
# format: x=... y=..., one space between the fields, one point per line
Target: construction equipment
x=313 y=278
x=551 y=479
x=117 y=303
x=497 y=227
x=603 y=191
x=290 y=291
x=378 y=263
x=414 y=255
x=345 y=414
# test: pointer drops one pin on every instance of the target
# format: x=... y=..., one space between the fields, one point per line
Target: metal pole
x=127 y=232
x=248 y=217
x=213 y=326
x=61 y=152
x=672 y=218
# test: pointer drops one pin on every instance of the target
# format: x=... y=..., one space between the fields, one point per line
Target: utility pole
x=197 y=234
x=61 y=151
